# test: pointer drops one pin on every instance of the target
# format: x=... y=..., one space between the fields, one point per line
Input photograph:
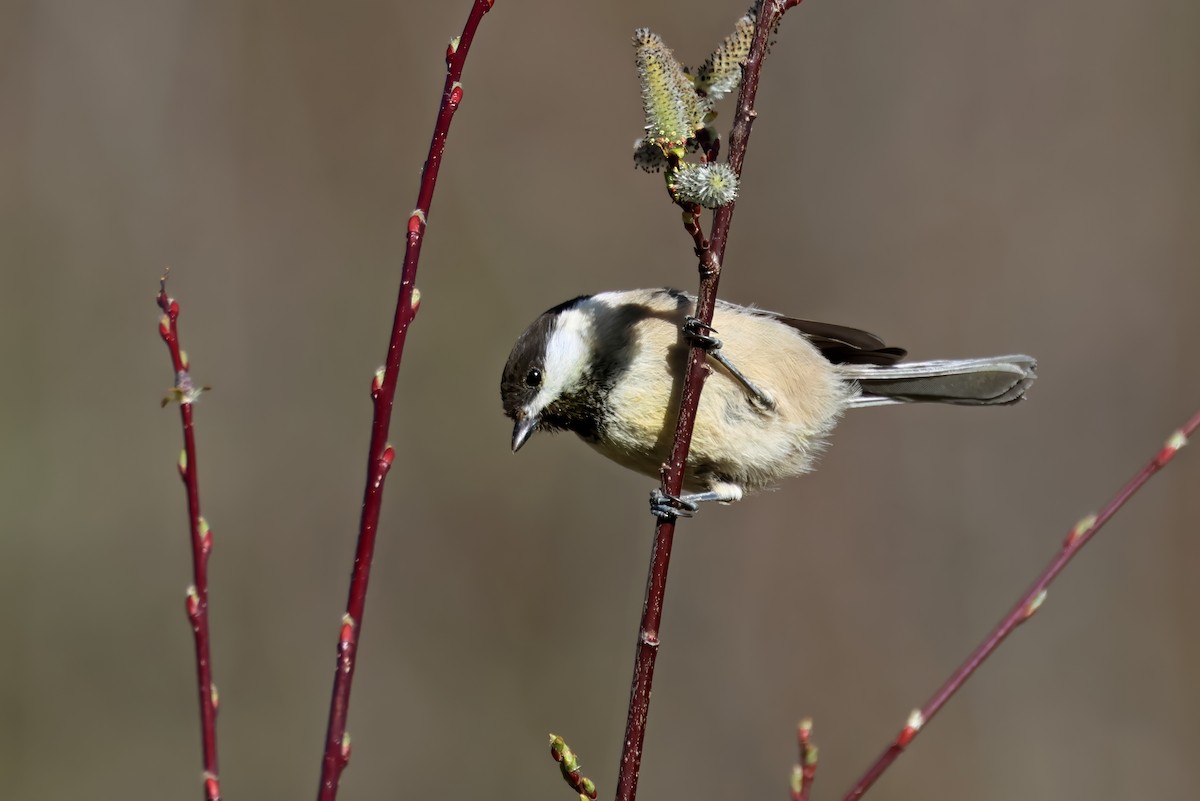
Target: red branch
x=383 y=393
x=1029 y=603
x=672 y=472
x=185 y=392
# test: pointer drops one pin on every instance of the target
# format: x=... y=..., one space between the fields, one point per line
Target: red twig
x=806 y=768
x=1029 y=603
x=185 y=392
x=691 y=224
x=383 y=392
x=672 y=472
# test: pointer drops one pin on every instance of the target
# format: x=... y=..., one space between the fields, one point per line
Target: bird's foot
x=700 y=333
x=693 y=330
x=669 y=507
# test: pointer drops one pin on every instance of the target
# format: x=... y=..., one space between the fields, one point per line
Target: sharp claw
x=669 y=507
x=693 y=328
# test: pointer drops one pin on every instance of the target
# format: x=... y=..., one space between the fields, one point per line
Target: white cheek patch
x=567 y=355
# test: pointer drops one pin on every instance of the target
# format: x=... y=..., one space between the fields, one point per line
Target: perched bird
x=610 y=368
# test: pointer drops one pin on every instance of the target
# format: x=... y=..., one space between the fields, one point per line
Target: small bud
x=212 y=786
x=568 y=764
x=915 y=721
x=673 y=109
x=805 y=770
x=215 y=697
x=416 y=300
x=796 y=783
x=183 y=463
x=416 y=221
x=206 y=540
x=164 y=326
x=377 y=382
x=347 y=630
x=185 y=390
x=710 y=185
x=1082 y=527
x=1034 y=605
x=1176 y=441
x=389 y=454
x=183 y=359
x=192 y=601
x=346 y=746
x=570 y=761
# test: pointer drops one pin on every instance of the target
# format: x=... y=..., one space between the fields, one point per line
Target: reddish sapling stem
x=710 y=260
x=691 y=224
x=383 y=393
x=185 y=393
x=1030 y=602
x=691 y=215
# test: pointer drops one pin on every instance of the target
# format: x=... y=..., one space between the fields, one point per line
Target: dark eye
x=533 y=378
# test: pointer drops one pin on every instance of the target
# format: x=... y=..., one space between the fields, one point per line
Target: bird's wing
x=841 y=344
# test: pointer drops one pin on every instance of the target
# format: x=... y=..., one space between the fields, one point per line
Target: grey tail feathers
x=996 y=380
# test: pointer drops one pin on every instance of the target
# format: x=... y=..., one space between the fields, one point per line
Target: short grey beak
x=523 y=430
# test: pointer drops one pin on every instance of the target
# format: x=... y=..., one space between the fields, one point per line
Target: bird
x=609 y=367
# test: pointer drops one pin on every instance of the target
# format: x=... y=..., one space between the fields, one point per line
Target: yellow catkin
x=673 y=109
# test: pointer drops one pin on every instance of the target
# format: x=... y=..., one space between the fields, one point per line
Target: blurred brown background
x=964 y=178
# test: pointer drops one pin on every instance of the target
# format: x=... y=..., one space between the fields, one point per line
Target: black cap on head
x=525 y=371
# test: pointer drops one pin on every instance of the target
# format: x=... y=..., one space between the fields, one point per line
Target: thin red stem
x=1029 y=603
x=380 y=454
x=196 y=603
x=691 y=224
x=673 y=471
